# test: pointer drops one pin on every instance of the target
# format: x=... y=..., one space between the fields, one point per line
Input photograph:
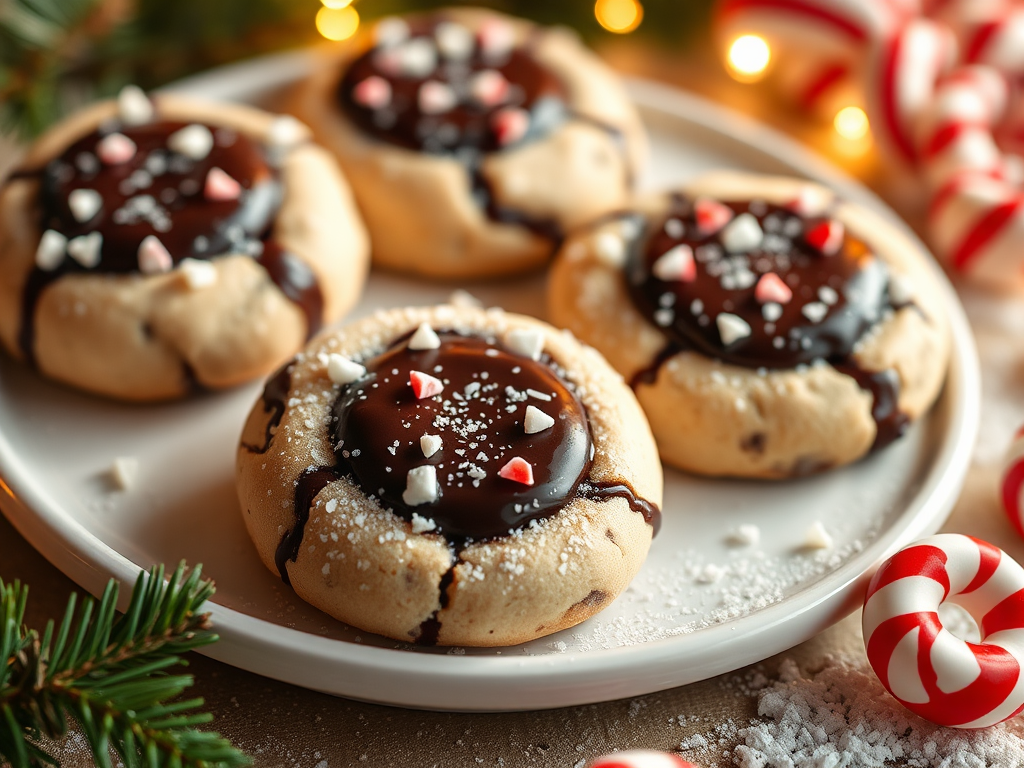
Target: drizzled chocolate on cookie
x=765 y=286
x=143 y=194
x=436 y=86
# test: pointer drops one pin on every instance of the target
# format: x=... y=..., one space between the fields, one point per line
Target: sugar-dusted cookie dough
x=147 y=247
x=473 y=141
x=768 y=328
x=451 y=475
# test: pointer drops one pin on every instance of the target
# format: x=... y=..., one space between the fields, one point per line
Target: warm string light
x=337 y=20
x=619 y=16
x=748 y=58
x=852 y=123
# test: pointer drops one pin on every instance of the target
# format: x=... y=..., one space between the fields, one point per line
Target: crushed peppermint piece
x=771 y=288
x=342 y=370
x=454 y=41
x=420 y=486
x=220 y=186
x=373 y=93
x=424 y=338
x=826 y=237
x=417 y=57
x=424 y=385
x=197 y=273
x=610 y=248
x=85 y=249
x=154 y=257
x=115 y=149
x=528 y=342
x=133 y=106
x=422 y=524
x=84 y=204
x=771 y=311
x=676 y=264
x=285 y=132
x=497 y=37
x=731 y=328
x=815 y=311
x=828 y=295
x=711 y=215
x=489 y=87
x=390 y=32
x=536 y=420
x=430 y=444
x=510 y=125
x=809 y=201
x=518 y=470
x=674 y=228
x=747 y=535
x=742 y=235
x=51 y=251
x=539 y=395
x=193 y=141
x=435 y=98
x=124 y=471
x=901 y=290
x=816 y=537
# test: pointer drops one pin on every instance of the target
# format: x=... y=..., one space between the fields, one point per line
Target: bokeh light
x=619 y=16
x=336 y=3
x=337 y=23
x=852 y=123
x=748 y=57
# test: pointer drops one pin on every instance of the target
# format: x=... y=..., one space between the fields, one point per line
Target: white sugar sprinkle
x=422 y=524
x=771 y=311
x=731 y=328
x=430 y=444
x=84 y=204
x=51 y=250
x=86 y=249
x=747 y=535
x=815 y=311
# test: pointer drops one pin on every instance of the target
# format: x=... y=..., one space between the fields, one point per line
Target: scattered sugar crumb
x=124 y=472
x=747 y=535
x=816 y=537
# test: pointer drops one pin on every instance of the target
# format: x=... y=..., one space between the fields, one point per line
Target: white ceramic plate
x=701 y=605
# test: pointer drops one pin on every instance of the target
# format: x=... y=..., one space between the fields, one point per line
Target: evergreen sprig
x=110 y=674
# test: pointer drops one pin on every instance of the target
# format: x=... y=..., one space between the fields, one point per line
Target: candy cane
x=641 y=758
x=1012 y=486
x=934 y=674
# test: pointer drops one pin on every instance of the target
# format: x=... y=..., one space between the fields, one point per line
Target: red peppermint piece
x=115 y=149
x=220 y=186
x=510 y=125
x=424 y=385
x=374 y=92
x=518 y=470
x=826 y=237
x=806 y=203
x=496 y=37
x=771 y=288
x=489 y=87
x=711 y=215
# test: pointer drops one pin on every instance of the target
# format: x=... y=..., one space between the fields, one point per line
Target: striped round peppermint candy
x=934 y=674
x=1013 y=482
x=641 y=758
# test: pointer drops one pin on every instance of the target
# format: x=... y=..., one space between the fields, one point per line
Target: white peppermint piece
x=418 y=57
x=742 y=235
x=901 y=290
x=84 y=204
x=124 y=471
x=424 y=338
x=527 y=342
x=674 y=263
x=341 y=370
x=436 y=98
x=816 y=537
x=390 y=32
x=133 y=106
x=731 y=328
x=828 y=295
x=747 y=535
x=420 y=486
x=422 y=524
x=771 y=311
x=430 y=444
x=610 y=248
x=536 y=420
x=154 y=258
x=193 y=141
x=284 y=132
x=86 y=249
x=455 y=41
x=815 y=311
x=52 y=248
x=197 y=273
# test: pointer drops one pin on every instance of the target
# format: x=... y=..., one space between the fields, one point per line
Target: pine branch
x=109 y=673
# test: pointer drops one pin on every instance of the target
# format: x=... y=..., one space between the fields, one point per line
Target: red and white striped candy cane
x=934 y=674
x=1012 y=486
x=641 y=758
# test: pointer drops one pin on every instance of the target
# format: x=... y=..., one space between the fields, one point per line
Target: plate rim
x=517 y=682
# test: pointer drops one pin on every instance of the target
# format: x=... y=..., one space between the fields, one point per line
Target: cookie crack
x=430 y=628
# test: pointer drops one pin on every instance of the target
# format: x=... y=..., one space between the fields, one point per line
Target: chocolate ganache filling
x=143 y=198
x=762 y=286
x=475 y=427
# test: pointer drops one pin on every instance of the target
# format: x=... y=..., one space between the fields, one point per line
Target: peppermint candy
x=1013 y=483
x=934 y=674
x=641 y=758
